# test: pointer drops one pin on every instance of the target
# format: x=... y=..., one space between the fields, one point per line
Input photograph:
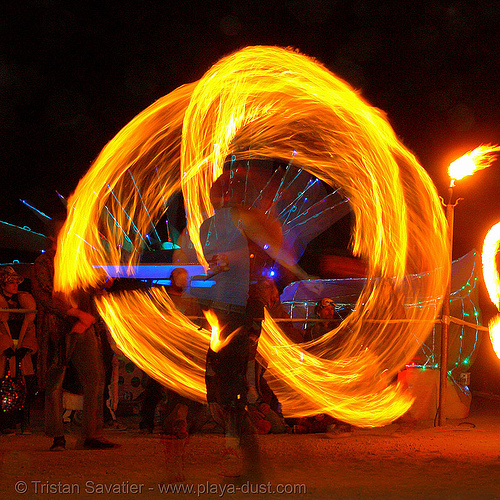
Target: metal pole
x=445 y=318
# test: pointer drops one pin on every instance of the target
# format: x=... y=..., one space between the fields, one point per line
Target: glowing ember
x=492 y=280
x=266 y=102
x=477 y=159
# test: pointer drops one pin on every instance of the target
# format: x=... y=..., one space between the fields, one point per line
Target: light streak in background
x=43 y=217
x=268 y=102
x=477 y=159
x=492 y=281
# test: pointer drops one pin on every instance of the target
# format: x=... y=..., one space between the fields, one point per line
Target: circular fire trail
x=268 y=102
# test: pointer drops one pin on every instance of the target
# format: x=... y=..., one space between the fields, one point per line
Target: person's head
x=179 y=278
x=266 y=290
x=325 y=309
x=9 y=280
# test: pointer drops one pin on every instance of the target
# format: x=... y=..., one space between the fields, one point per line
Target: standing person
x=264 y=295
x=17 y=340
x=67 y=334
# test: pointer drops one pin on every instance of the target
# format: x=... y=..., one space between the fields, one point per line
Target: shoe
x=339 y=430
x=114 y=425
x=232 y=463
x=59 y=444
x=98 y=444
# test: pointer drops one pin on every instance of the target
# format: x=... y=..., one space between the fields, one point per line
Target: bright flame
x=216 y=343
x=306 y=384
x=491 y=246
x=477 y=159
x=265 y=102
x=170 y=347
x=490 y=270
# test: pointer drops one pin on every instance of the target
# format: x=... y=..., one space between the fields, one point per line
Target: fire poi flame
x=492 y=281
x=266 y=102
x=216 y=342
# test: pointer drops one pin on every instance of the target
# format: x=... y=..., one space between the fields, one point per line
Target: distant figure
x=66 y=334
x=17 y=342
x=324 y=310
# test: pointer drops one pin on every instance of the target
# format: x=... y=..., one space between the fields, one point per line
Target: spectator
x=67 y=334
x=324 y=311
x=17 y=341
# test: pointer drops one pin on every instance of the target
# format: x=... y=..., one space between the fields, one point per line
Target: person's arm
x=83 y=317
x=27 y=336
x=6 y=342
x=43 y=287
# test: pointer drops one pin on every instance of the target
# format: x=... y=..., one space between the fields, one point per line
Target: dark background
x=72 y=74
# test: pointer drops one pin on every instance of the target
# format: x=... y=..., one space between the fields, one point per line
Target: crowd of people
x=66 y=334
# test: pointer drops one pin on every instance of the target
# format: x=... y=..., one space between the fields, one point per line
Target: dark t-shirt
x=15 y=321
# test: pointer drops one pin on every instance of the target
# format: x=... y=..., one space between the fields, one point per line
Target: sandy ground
x=407 y=460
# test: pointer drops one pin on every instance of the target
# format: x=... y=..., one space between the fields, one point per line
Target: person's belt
x=222 y=306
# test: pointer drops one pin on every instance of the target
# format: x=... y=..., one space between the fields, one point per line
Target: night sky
x=72 y=74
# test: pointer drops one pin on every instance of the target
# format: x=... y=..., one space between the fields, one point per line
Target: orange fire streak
x=266 y=102
x=159 y=343
x=477 y=159
x=491 y=246
x=307 y=384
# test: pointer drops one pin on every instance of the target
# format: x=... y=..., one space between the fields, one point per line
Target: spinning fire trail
x=484 y=156
x=267 y=102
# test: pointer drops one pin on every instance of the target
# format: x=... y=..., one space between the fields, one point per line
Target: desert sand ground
x=400 y=461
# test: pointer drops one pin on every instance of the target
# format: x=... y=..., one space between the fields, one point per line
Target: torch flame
x=490 y=270
x=492 y=281
x=477 y=159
